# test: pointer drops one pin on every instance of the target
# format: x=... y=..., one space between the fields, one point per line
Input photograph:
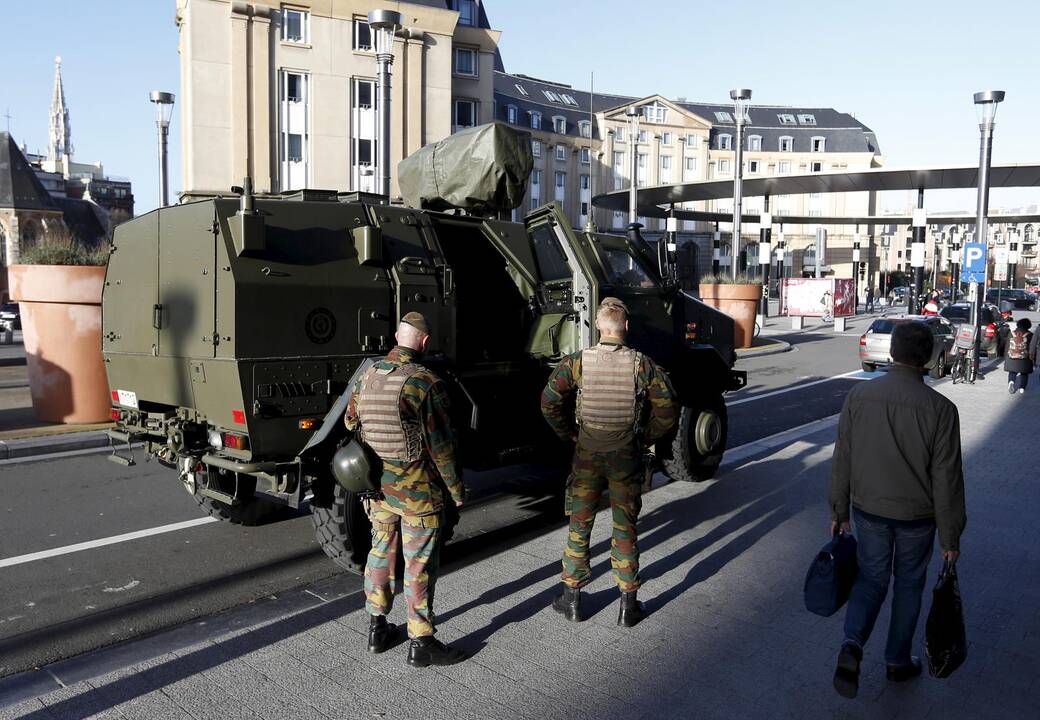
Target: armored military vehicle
x=234 y=327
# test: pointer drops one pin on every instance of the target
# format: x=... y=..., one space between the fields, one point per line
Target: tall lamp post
x=986 y=107
x=633 y=133
x=163 y=113
x=384 y=25
x=741 y=99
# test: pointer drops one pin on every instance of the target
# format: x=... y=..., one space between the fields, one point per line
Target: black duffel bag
x=831 y=575
x=945 y=640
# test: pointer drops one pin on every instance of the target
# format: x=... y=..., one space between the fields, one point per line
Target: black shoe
x=846 y=674
x=631 y=611
x=427 y=650
x=902 y=673
x=381 y=634
x=569 y=604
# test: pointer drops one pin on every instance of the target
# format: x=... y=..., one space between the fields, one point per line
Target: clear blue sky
x=907 y=69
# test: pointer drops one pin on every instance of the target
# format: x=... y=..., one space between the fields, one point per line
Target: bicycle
x=965 y=365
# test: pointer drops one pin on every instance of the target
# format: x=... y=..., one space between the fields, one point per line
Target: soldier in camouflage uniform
x=624 y=404
x=400 y=410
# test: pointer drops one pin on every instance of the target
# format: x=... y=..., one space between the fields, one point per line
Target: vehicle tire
x=699 y=442
x=869 y=367
x=343 y=530
x=938 y=370
x=254 y=511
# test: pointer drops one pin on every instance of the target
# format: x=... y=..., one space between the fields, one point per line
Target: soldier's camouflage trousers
x=619 y=472
x=417 y=538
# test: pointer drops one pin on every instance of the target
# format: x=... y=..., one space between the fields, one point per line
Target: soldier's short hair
x=612 y=317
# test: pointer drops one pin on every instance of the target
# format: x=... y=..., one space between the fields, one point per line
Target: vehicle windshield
x=624 y=270
x=956 y=313
x=883 y=326
x=552 y=263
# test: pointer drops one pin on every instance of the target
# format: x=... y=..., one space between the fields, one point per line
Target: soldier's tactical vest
x=608 y=396
x=379 y=409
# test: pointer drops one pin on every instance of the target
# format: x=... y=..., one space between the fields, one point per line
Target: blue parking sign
x=974 y=268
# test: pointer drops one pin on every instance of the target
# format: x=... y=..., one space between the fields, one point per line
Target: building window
x=585 y=184
x=294 y=26
x=784 y=167
x=619 y=133
x=819 y=144
x=723 y=117
x=536 y=148
x=521 y=89
x=552 y=97
x=585 y=129
x=667 y=138
x=619 y=170
x=786 y=143
x=806 y=119
x=584 y=208
x=785 y=119
x=692 y=141
x=362 y=36
x=666 y=162
x=560 y=125
x=561 y=153
x=536 y=121
x=754 y=143
x=641 y=170
x=754 y=166
x=816 y=167
x=293 y=87
x=725 y=142
x=511 y=114
x=363 y=134
x=568 y=99
x=466 y=62
x=724 y=167
x=641 y=138
x=536 y=177
x=467 y=11
x=586 y=156
x=1027 y=234
x=691 y=165
x=292 y=126
x=561 y=185
x=655 y=112
x=465 y=114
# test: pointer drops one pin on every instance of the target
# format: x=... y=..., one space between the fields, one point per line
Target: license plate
x=127 y=398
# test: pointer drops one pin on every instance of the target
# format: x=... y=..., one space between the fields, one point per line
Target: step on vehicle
x=234 y=328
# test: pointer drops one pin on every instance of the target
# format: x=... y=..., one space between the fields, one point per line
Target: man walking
x=870 y=300
x=401 y=411
x=624 y=404
x=897 y=462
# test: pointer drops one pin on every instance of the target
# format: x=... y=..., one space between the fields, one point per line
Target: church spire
x=61 y=131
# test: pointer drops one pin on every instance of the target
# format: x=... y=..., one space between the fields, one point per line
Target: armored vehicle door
x=187 y=285
x=567 y=289
x=132 y=315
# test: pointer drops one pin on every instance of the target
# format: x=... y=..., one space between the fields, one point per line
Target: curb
x=775 y=347
x=67 y=442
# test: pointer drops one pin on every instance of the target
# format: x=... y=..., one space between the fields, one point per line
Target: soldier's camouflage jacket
x=412 y=489
x=661 y=411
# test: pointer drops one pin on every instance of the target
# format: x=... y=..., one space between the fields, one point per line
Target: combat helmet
x=356 y=468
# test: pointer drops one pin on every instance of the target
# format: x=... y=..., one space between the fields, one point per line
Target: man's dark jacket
x=898 y=455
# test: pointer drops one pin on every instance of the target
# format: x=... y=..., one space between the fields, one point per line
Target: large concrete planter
x=61 y=328
x=740 y=302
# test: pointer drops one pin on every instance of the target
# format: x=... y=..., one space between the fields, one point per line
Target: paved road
x=60 y=606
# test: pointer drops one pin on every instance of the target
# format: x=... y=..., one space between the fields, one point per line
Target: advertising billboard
x=816 y=297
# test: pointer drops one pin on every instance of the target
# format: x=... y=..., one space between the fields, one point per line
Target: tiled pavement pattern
x=728 y=636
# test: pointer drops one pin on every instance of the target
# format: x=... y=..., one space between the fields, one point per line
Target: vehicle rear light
x=238 y=417
x=691 y=332
x=114 y=414
x=863 y=340
x=307 y=424
x=235 y=442
x=991 y=330
x=115 y=396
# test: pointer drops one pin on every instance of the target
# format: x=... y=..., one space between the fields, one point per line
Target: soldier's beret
x=417 y=321
x=614 y=303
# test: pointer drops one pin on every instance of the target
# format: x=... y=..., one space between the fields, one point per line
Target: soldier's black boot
x=381 y=634
x=427 y=650
x=631 y=611
x=569 y=604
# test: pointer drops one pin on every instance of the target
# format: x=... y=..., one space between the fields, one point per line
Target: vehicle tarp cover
x=482 y=169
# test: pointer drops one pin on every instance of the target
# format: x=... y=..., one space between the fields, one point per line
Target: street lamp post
x=384 y=25
x=885 y=242
x=855 y=273
x=741 y=99
x=163 y=113
x=633 y=129
x=986 y=105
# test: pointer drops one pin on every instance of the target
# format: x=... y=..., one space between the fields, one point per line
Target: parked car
x=876 y=343
x=10 y=315
x=1019 y=299
x=899 y=295
x=995 y=329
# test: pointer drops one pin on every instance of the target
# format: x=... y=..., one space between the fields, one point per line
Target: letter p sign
x=974 y=262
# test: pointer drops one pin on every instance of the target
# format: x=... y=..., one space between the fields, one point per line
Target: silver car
x=875 y=344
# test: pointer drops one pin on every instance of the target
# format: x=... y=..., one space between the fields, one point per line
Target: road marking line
x=855 y=374
x=778 y=440
x=115 y=539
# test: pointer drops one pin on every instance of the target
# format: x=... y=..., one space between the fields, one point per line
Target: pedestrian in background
x=1020 y=356
x=897 y=466
x=624 y=404
x=870 y=299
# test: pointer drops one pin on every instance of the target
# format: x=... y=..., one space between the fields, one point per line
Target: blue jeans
x=1018 y=380
x=885 y=548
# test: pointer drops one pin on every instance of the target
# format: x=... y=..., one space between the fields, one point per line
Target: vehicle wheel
x=700 y=441
x=343 y=530
x=938 y=370
x=254 y=511
x=869 y=367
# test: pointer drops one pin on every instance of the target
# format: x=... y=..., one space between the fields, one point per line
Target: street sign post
x=974 y=270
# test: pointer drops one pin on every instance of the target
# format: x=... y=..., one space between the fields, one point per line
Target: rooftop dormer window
x=806 y=119
x=467 y=10
x=521 y=89
x=552 y=97
x=655 y=112
x=786 y=119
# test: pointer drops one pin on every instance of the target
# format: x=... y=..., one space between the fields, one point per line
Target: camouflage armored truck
x=233 y=328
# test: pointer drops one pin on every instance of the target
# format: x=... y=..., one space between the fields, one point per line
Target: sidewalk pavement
x=728 y=636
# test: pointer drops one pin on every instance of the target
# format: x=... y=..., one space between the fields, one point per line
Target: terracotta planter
x=740 y=302
x=61 y=327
